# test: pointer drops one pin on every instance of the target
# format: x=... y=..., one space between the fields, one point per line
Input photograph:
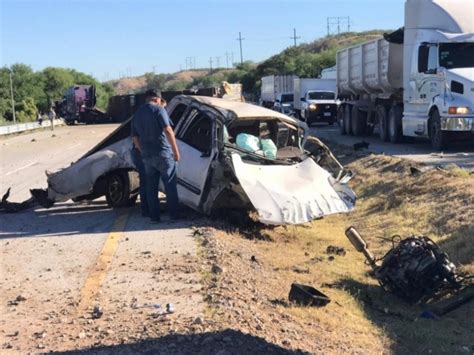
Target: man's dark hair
x=153 y=93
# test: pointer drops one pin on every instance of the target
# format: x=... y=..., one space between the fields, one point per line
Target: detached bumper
x=457 y=124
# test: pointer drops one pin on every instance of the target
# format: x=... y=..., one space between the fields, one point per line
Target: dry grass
x=362 y=316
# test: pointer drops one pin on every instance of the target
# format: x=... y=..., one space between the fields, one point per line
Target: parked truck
x=415 y=82
x=315 y=100
x=276 y=88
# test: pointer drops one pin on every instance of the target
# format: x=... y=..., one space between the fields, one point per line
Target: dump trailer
x=315 y=100
x=273 y=86
x=415 y=82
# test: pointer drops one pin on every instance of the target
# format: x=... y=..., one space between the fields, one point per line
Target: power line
x=337 y=22
x=227 y=55
x=294 y=36
x=218 y=59
x=210 y=63
x=240 y=39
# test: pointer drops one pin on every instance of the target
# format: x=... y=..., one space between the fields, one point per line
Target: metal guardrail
x=21 y=127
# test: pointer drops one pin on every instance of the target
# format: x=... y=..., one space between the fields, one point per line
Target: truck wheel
x=438 y=138
x=340 y=120
x=382 y=121
x=358 y=122
x=347 y=120
x=395 y=124
x=119 y=189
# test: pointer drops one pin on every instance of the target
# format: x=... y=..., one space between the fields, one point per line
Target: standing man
x=154 y=138
x=51 y=116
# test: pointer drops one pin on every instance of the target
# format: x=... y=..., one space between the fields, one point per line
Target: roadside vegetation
x=34 y=91
x=305 y=60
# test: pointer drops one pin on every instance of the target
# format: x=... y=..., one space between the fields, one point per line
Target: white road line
x=74 y=146
x=23 y=167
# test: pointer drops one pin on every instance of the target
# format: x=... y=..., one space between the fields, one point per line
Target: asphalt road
x=461 y=154
x=66 y=259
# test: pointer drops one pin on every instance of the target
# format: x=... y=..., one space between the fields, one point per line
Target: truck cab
x=284 y=103
x=319 y=106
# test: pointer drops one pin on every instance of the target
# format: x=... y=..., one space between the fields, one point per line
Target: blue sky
x=111 y=38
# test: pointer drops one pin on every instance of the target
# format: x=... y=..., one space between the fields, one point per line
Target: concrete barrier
x=21 y=127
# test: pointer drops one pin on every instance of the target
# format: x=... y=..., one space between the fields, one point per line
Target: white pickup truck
x=315 y=100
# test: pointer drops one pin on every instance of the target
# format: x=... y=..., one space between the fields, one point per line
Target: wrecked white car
x=233 y=156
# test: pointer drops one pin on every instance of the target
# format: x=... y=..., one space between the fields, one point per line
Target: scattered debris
x=216 y=269
x=97 y=312
x=415 y=269
x=333 y=249
x=169 y=308
x=253 y=259
x=307 y=296
x=415 y=171
x=361 y=145
x=17 y=300
x=12 y=207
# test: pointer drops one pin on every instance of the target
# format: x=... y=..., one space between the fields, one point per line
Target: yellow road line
x=99 y=271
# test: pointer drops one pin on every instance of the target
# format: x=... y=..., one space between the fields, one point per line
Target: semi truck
x=417 y=81
x=274 y=89
x=315 y=100
x=78 y=105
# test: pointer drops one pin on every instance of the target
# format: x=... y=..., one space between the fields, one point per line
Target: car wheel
x=382 y=121
x=358 y=121
x=119 y=190
x=340 y=120
x=395 y=124
x=438 y=138
x=347 y=120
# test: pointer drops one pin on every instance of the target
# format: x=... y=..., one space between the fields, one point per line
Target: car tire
x=358 y=121
x=118 y=191
x=340 y=120
x=347 y=120
x=382 y=121
x=438 y=138
x=395 y=133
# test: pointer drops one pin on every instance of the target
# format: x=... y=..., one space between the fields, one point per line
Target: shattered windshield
x=322 y=95
x=456 y=55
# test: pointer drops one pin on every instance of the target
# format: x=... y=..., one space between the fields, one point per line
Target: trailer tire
x=395 y=131
x=438 y=138
x=347 y=120
x=340 y=120
x=382 y=121
x=119 y=189
x=358 y=122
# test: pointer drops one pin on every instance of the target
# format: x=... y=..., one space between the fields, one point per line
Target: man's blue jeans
x=165 y=168
x=138 y=162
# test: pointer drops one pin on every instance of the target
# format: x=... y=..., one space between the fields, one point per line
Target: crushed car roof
x=243 y=110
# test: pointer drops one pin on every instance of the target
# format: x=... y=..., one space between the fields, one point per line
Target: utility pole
x=232 y=59
x=210 y=63
x=294 y=36
x=240 y=39
x=338 y=21
x=218 y=60
x=227 y=59
x=13 y=100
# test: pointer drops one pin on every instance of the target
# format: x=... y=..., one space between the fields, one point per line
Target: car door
x=196 y=142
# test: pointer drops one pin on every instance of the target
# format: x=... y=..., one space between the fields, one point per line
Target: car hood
x=302 y=192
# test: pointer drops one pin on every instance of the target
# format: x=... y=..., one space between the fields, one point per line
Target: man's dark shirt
x=148 y=124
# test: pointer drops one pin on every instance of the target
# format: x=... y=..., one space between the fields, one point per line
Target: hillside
x=305 y=60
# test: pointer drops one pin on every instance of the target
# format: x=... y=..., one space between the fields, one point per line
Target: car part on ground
x=415 y=268
x=305 y=295
x=13 y=207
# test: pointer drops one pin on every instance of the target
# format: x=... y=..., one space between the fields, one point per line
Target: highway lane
x=461 y=154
